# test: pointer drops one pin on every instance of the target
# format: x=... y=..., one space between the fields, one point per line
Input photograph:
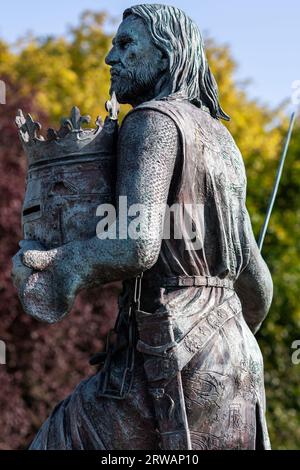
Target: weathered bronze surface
x=182 y=368
x=70 y=173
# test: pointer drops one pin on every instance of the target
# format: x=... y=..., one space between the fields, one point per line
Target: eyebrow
x=121 y=37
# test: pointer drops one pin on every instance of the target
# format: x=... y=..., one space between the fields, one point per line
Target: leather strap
x=128 y=344
x=188 y=281
x=170 y=412
x=156 y=337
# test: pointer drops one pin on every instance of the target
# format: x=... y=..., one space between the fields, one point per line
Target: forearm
x=255 y=290
x=101 y=261
x=147 y=151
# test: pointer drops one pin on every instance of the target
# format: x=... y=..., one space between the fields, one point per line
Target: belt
x=188 y=281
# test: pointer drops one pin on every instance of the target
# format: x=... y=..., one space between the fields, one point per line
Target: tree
x=63 y=71
x=44 y=363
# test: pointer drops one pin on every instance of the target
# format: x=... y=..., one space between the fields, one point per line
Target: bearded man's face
x=136 y=63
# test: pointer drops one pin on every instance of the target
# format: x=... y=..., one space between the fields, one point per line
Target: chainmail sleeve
x=148 y=148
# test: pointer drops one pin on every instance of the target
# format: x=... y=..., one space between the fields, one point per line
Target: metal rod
x=277 y=181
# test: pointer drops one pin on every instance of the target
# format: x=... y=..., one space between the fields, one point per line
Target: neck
x=160 y=90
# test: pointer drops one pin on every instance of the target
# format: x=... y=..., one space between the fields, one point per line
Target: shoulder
x=148 y=123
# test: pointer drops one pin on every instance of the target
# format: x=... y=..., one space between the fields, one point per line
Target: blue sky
x=264 y=36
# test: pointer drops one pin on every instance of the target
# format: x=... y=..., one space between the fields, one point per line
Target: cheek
x=134 y=58
x=153 y=57
x=130 y=58
x=136 y=55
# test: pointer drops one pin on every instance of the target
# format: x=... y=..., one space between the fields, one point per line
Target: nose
x=112 y=58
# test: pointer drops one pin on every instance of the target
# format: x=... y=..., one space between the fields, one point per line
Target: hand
x=49 y=290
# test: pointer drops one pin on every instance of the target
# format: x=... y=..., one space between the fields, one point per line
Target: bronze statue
x=182 y=368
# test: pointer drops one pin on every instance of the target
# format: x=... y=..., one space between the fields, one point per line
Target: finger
x=33 y=259
x=38 y=260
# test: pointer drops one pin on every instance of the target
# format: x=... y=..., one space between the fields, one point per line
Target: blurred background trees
x=47 y=76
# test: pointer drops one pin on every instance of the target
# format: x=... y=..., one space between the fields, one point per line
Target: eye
x=124 y=43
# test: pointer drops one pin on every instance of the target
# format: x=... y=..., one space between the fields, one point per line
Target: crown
x=71 y=141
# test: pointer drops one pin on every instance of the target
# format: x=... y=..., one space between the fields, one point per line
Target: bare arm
x=255 y=287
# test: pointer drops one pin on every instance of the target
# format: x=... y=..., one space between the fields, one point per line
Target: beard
x=135 y=85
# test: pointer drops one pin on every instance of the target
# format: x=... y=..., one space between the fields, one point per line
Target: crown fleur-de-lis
x=74 y=122
x=112 y=107
x=28 y=128
x=99 y=122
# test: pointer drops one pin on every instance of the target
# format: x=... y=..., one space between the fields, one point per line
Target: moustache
x=117 y=72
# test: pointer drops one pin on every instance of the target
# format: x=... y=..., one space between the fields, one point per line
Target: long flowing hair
x=180 y=40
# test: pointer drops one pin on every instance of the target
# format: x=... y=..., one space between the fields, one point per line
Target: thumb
x=37 y=260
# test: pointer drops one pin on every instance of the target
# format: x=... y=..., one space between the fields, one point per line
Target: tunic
x=220 y=361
